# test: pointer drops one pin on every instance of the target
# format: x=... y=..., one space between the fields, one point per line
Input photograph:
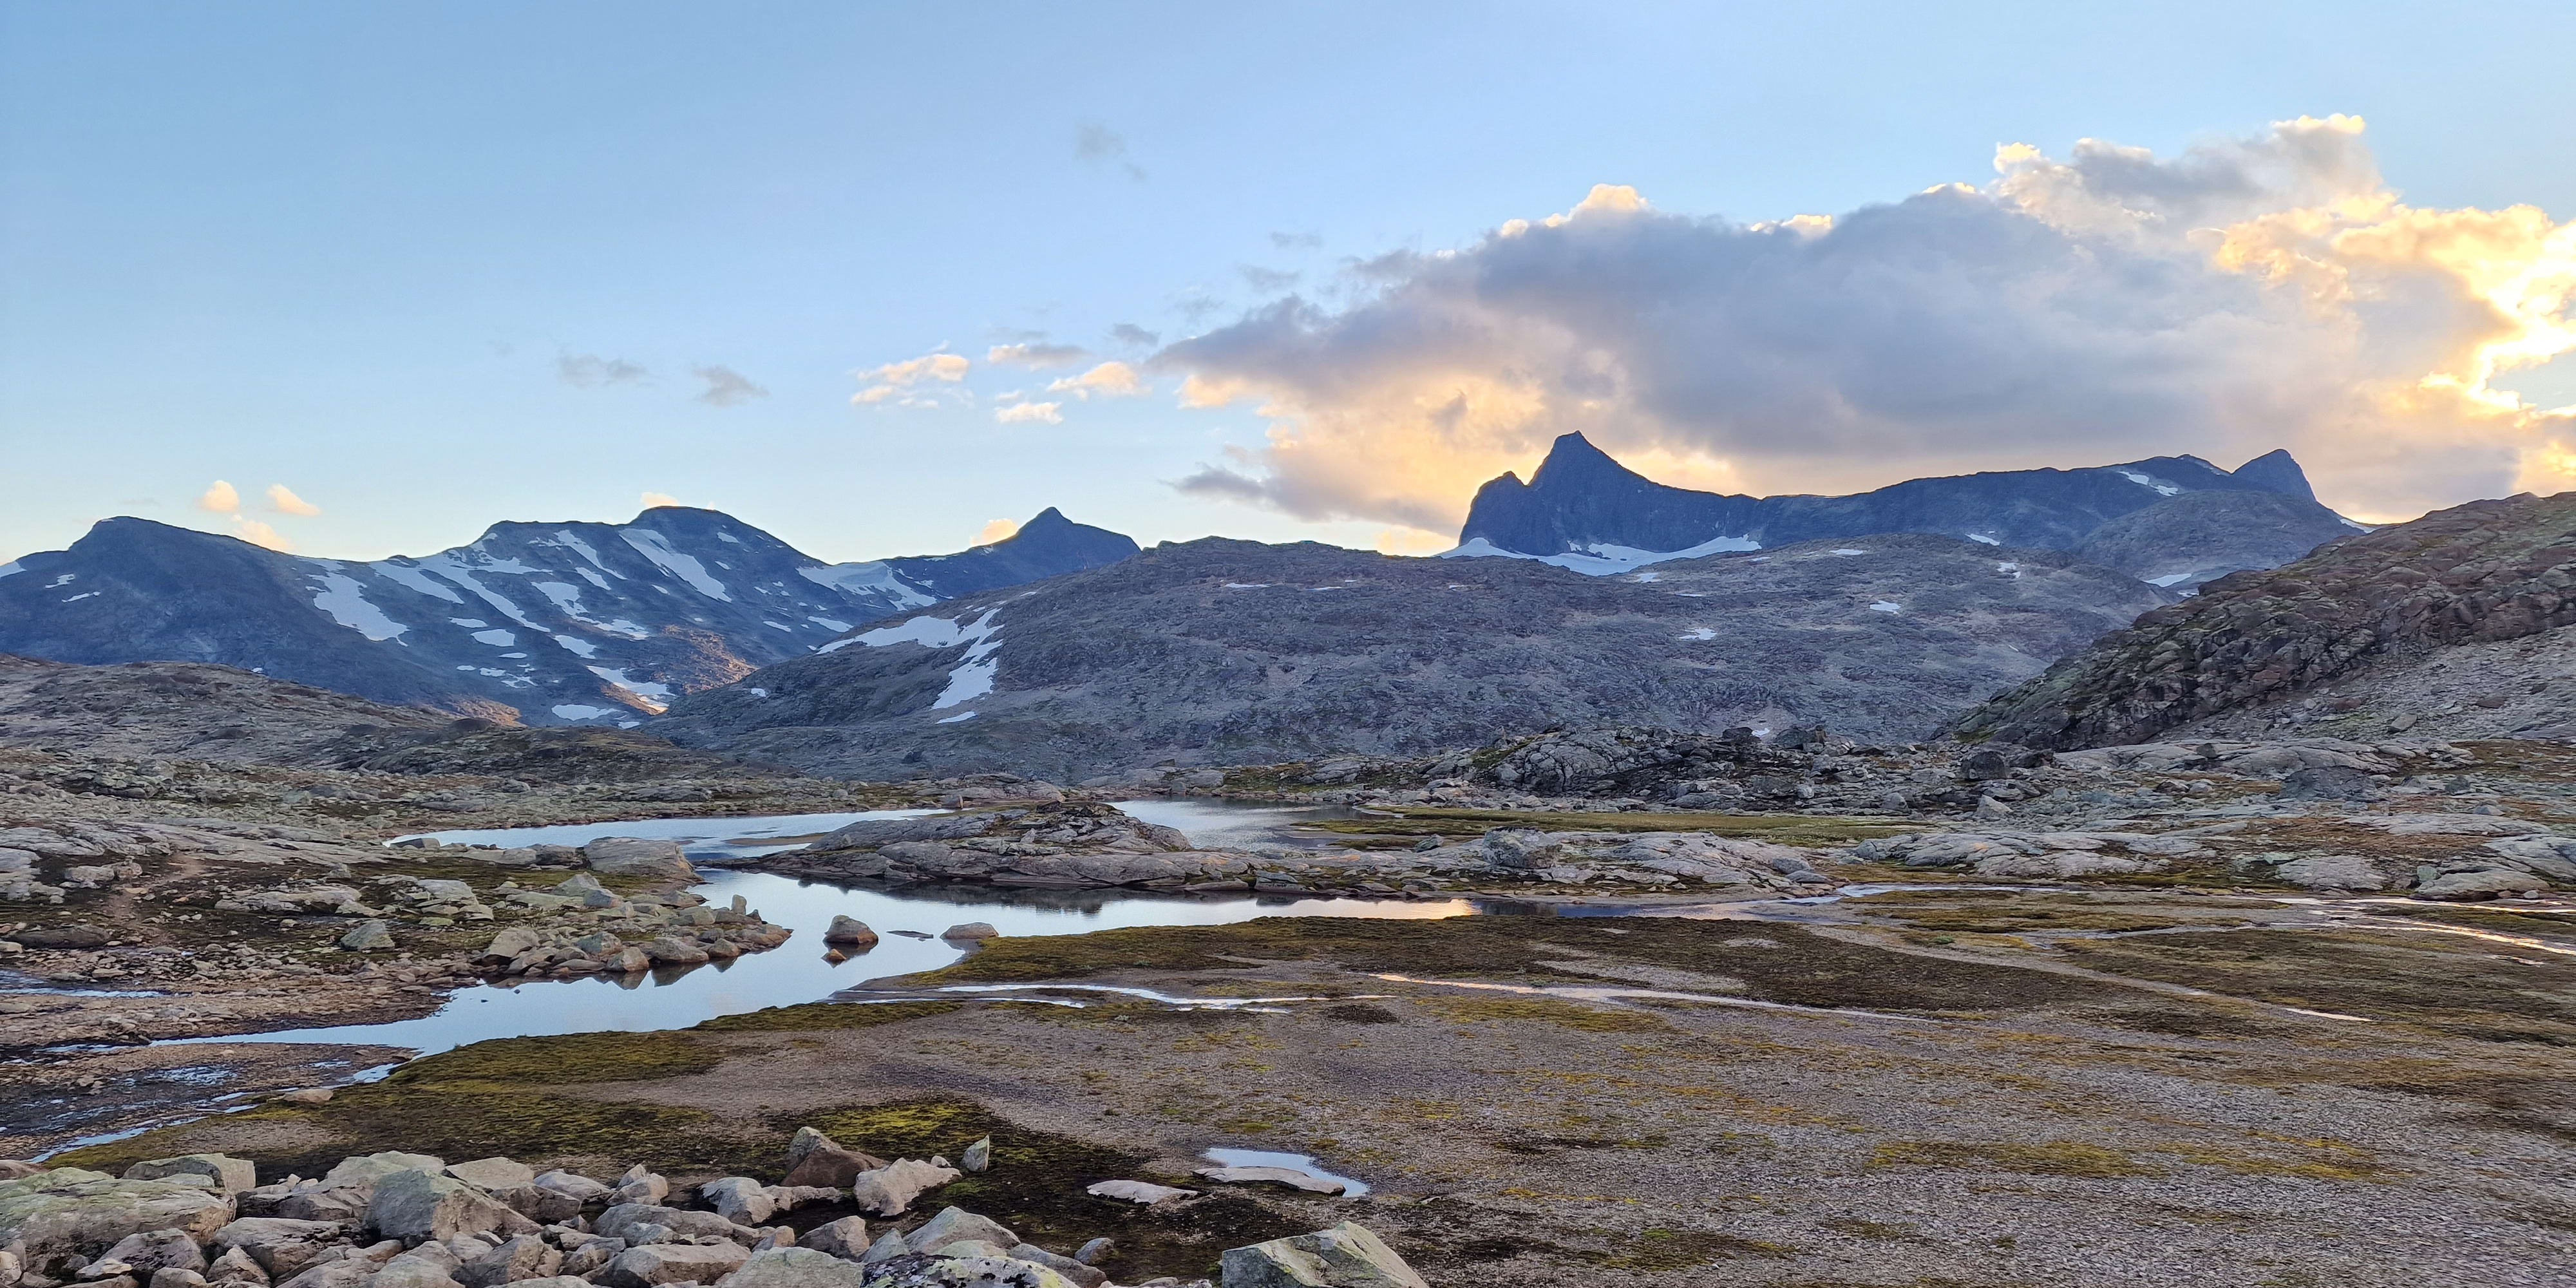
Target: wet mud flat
x=2234 y=1096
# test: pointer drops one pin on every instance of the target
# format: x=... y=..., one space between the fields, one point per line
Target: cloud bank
x=2245 y=295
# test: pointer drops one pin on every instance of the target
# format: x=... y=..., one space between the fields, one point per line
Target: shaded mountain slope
x=1236 y=652
x=546 y=623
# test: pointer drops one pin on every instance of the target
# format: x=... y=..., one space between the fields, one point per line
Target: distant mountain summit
x=541 y=623
x=2182 y=520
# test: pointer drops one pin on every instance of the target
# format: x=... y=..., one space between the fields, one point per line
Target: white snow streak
x=654 y=546
x=2151 y=483
x=1887 y=606
x=399 y=572
x=874 y=580
x=576 y=711
x=655 y=697
x=341 y=597
x=1601 y=559
x=497 y=639
x=577 y=646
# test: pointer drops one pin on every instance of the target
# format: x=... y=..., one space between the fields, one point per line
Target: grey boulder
x=73 y=1213
x=671 y=1263
x=797 y=1268
x=1348 y=1255
x=629 y=856
x=417 y=1205
x=230 y=1175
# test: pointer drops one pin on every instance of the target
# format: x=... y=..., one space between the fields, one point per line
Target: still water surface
x=798 y=971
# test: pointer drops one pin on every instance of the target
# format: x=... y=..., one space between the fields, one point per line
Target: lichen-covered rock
x=629 y=856
x=669 y=1263
x=70 y=1212
x=230 y=1175
x=416 y=1205
x=888 y=1190
x=798 y=1268
x=957 y=1225
x=1348 y=1255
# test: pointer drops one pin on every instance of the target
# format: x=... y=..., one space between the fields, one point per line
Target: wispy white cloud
x=1097 y=144
x=1047 y=413
x=590 y=371
x=726 y=387
x=1035 y=354
x=2267 y=292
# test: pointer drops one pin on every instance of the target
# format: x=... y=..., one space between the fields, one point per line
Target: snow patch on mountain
x=346 y=602
x=1602 y=559
x=656 y=547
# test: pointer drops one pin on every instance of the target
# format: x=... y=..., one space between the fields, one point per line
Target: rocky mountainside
x=541 y=623
x=197 y=711
x=1221 y=651
x=185 y=709
x=2173 y=520
x=2369 y=632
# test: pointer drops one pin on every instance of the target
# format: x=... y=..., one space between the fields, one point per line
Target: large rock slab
x=417 y=1205
x=670 y=1263
x=888 y=1190
x=229 y=1175
x=631 y=856
x=281 y=1246
x=1348 y=1255
x=798 y=1268
x=73 y=1213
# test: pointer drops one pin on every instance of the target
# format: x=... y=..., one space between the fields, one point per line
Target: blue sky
x=434 y=266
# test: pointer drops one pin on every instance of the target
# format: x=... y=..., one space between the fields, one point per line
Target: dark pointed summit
x=2274 y=471
x=1045 y=546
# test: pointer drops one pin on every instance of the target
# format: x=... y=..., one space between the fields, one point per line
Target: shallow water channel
x=908 y=922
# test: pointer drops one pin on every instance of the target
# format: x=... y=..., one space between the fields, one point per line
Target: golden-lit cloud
x=658 y=500
x=1109 y=380
x=260 y=534
x=285 y=501
x=2266 y=292
x=221 y=498
x=997 y=530
x=897 y=381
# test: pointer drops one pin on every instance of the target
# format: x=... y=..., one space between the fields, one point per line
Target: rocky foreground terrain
x=1216 y=652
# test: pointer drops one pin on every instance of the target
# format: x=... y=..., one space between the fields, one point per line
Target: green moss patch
x=1777 y=963
x=570 y=1057
x=817 y=1016
x=2449 y=984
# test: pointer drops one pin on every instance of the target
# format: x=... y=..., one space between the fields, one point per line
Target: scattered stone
x=418 y=1204
x=1142 y=1192
x=850 y=932
x=888 y=1190
x=368 y=936
x=71 y=1212
x=970 y=932
x=957 y=1225
x=230 y=1175
x=798 y=1267
x=978 y=1156
x=846 y=1238
x=671 y=1263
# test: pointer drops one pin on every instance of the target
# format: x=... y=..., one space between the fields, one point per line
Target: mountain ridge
x=543 y=623
x=1584 y=509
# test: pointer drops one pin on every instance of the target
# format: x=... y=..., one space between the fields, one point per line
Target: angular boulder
x=279 y=1246
x=655 y=1264
x=888 y=1190
x=846 y=1238
x=798 y=1268
x=1348 y=1255
x=417 y=1205
x=70 y=1213
x=229 y=1175
x=629 y=856
x=957 y=1225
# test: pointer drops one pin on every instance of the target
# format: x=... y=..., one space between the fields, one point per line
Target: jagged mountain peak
x=1585 y=510
x=2277 y=471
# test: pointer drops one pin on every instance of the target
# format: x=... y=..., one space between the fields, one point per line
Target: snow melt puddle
x=1228 y=824
x=1352 y=1187
x=1176 y=1001
x=1615 y=995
